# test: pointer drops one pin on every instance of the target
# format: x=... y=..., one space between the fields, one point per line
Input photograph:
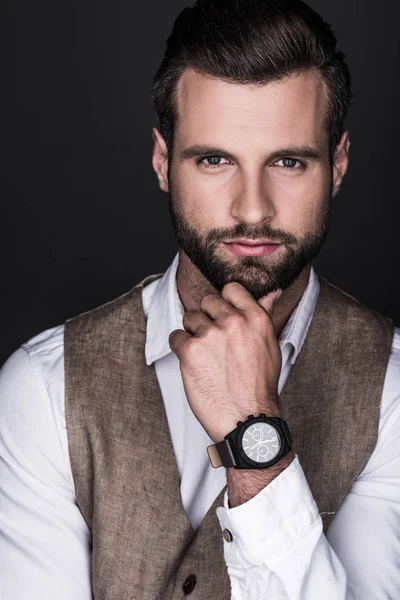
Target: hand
x=230 y=359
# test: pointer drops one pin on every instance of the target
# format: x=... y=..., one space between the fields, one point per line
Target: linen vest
x=123 y=462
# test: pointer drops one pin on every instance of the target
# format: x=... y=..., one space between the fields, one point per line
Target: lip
x=258 y=249
x=254 y=242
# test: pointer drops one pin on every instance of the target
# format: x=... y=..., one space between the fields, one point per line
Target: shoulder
x=333 y=294
x=35 y=359
x=124 y=308
x=45 y=350
x=353 y=320
x=113 y=313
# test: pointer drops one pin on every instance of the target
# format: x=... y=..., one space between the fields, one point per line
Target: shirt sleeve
x=44 y=540
x=278 y=549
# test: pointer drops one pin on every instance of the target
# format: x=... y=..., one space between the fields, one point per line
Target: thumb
x=268 y=301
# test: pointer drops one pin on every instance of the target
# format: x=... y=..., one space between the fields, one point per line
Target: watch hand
x=262 y=442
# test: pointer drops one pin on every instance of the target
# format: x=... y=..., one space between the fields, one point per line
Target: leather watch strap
x=220 y=455
x=287 y=433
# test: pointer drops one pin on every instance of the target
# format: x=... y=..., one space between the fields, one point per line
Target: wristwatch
x=257 y=443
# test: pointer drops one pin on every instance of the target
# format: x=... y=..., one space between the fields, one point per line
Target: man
x=106 y=485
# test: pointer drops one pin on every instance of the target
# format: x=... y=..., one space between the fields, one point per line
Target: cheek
x=300 y=202
x=198 y=201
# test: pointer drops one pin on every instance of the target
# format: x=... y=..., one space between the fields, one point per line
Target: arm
x=278 y=548
x=44 y=541
x=230 y=363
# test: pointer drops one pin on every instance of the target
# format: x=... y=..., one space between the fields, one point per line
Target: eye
x=214 y=161
x=291 y=164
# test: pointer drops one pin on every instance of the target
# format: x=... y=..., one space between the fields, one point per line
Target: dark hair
x=251 y=42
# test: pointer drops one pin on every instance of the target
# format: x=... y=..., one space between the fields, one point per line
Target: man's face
x=251 y=163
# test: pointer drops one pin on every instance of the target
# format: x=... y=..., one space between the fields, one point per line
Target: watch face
x=261 y=442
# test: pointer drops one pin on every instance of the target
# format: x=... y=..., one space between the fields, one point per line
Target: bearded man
x=228 y=428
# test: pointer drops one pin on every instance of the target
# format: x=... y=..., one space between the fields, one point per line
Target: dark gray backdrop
x=82 y=216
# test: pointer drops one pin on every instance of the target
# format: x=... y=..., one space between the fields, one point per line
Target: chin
x=258 y=283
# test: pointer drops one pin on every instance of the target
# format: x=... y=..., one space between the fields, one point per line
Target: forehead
x=285 y=112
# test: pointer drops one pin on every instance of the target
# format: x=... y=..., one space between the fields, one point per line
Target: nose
x=252 y=202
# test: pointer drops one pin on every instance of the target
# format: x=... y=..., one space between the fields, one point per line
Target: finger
x=177 y=340
x=215 y=306
x=237 y=295
x=195 y=321
x=268 y=301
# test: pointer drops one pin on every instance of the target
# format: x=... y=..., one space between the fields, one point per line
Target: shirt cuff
x=264 y=529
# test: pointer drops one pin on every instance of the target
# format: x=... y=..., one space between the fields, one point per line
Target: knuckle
x=189 y=349
x=208 y=334
x=233 y=321
x=172 y=339
x=173 y=334
x=230 y=319
x=206 y=299
x=263 y=318
x=189 y=315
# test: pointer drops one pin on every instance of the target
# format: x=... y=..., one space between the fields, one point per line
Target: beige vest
x=123 y=463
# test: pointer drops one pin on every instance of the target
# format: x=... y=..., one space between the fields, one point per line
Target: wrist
x=260 y=442
x=244 y=484
x=227 y=425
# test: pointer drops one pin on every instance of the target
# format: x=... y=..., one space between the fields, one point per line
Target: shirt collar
x=164 y=313
x=295 y=330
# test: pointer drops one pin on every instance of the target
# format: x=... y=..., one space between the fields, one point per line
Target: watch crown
x=239 y=423
x=250 y=417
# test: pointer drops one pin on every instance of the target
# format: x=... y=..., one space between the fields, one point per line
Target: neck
x=193 y=286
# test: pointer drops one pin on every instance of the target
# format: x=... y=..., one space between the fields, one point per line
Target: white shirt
x=278 y=549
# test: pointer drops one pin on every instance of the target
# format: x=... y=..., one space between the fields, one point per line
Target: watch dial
x=261 y=442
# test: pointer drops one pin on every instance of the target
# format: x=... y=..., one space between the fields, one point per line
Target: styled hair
x=251 y=42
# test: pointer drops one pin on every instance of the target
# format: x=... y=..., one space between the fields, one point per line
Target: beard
x=260 y=275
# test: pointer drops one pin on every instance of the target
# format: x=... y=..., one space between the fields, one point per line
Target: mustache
x=244 y=231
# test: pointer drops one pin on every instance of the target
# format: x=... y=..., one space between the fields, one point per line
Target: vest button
x=188 y=584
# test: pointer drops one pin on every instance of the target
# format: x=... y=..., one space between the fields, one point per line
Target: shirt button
x=227 y=535
x=188 y=584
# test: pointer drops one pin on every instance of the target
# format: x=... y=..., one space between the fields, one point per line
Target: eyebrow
x=198 y=151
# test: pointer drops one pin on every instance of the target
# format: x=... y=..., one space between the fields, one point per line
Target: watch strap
x=287 y=433
x=221 y=455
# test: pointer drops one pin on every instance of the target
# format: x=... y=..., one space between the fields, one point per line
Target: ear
x=160 y=159
x=340 y=162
